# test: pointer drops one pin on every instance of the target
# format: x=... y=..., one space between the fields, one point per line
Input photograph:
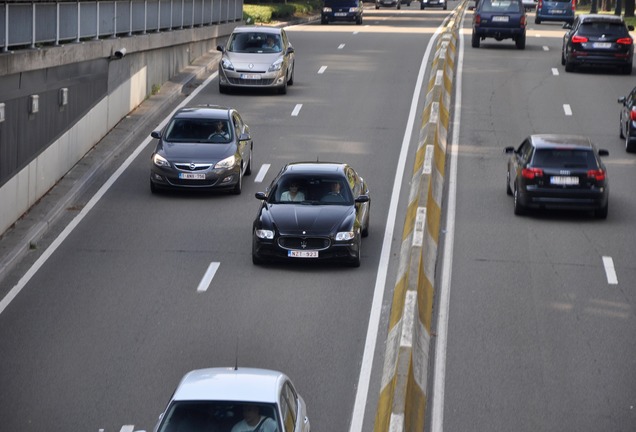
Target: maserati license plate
x=302 y=254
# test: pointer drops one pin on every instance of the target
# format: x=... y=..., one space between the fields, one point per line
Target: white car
x=230 y=399
x=529 y=4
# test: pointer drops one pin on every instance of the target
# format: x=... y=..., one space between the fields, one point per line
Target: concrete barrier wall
x=403 y=400
x=150 y=61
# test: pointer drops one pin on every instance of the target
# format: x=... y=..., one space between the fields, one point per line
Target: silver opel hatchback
x=229 y=399
x=256 y=57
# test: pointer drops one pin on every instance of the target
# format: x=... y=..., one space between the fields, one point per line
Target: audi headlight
x=276 y=65
x=344 y=236
x=264 y=234
x=226 y=64
x=160 y=161
x=226 y=163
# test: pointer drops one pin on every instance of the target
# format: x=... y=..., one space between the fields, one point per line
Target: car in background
x=598 y=40
x=326 y=220
x=433 y=3
x=628 y=120
x=499 y=19
x=558 y=171
x=202 y=147
x=216 y=399
x=555 y=10
x=342 y=11
x=249 y=60
x=388 y=3
x=529 y=4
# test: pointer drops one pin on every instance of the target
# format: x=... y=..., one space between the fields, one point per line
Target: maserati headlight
x=160 y=161
x=264 y=234
x=276 y=65
x=344 y=236
x=226 y=64
x=226 y=163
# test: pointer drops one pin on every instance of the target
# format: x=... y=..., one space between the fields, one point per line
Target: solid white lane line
x=610 y=271
x=357 y=418
x=341 y=46
x=92 y=202
x=296 y=110
x=322 y=69
x=261 y=173
x=567 y=109
x=441 y=340
x=555 y=71
x=208 y=276
x=546 y=48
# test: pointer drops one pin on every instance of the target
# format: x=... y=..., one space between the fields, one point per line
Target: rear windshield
x=345 y=3
x=500 y=6
x=603 y=28
x=564 y=158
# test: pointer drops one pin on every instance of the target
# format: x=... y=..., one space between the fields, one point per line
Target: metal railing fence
x=33 y=24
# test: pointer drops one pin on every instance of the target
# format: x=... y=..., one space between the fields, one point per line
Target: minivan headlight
x=276 y=65
x=226 y=64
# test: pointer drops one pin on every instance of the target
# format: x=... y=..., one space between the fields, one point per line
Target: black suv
x=500 y=19
x=601 y=40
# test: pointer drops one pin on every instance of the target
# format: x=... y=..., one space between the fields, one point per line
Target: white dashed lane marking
x=208 y=276
x=322 y=69
x=567 y=109
x=545 y=48
x=296 y=110
x=341 y=46
x=555 y=71
x=610 y=271
x=261 y=173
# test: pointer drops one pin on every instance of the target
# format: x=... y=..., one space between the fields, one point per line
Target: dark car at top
x=628 y=120
x=598 y=40
x=342 y=11
x=191 y=154
x=555 y=10
x=322 y=224
x=499 y=19
x=559 y=172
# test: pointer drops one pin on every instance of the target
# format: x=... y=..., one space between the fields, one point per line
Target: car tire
x=521 y=42
x=239 y=186
x=248 y=170
x=355 y=262
x=153 y=188
x=620 y=130
x=290 y=81
x=377 y=7
x=222 y=89
x=562 y=58
x=365 y=230
x=518 y=207
x=445 y=7
x=324 y=21
x=422 y=7
x=630 y=147
x=508 y=190
x=283 y=89
x=359 y=21
x=601 y=213
x=537 y=20
x=627 y=69
x=256 y=260
x=399 y=6
x=569 y=67
x=475 y=41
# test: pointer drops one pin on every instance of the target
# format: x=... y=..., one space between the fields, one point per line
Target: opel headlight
x=160 y=161
x=264 y=234
x=276 y=65
x=346 y=235
x=226 y=163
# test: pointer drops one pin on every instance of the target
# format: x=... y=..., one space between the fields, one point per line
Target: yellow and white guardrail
x=402 y=400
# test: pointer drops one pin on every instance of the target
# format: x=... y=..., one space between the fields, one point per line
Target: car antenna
x=236 y=356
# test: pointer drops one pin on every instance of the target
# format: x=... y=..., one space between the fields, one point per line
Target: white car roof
x=228 y=384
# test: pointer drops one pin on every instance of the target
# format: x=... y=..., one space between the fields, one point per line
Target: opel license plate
x=302 y=254
x=192 y=176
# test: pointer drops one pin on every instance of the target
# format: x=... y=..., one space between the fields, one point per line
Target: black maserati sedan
x=312 y=211
x=558 y=171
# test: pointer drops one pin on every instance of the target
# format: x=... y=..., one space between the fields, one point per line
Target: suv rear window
x=564 y=158
x=603 y=28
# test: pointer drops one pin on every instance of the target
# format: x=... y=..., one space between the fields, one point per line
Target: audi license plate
x=565 y=181
x=500 y=19
x=602 y=45
x=251 y=76
x=192 y=176
x=302 y=254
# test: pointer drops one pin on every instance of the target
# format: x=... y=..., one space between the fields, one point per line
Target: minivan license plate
x=302 y=254
x=250 y=76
